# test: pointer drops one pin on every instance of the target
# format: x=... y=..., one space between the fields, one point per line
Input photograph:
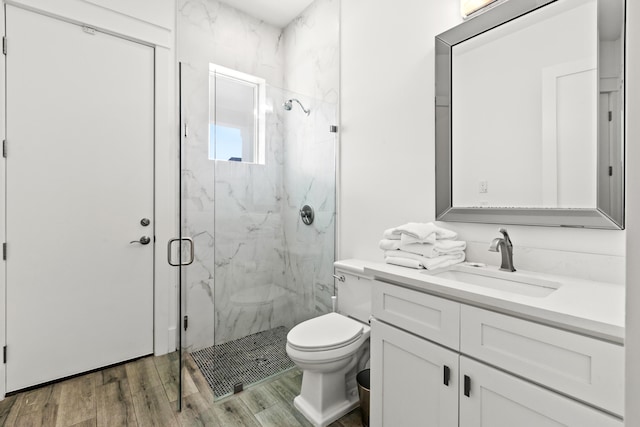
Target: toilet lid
x=325 y=332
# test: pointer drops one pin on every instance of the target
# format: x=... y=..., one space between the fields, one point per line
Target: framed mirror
x=530 y=115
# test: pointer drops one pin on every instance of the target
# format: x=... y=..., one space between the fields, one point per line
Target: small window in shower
x=236 y=116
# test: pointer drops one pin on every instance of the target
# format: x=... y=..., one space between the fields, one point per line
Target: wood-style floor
x=144 y=393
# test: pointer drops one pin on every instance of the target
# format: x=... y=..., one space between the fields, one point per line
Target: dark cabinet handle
x=447 y=375
x=467 y=386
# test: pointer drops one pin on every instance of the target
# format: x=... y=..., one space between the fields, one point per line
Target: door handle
x=144 y=240
x=191 y=251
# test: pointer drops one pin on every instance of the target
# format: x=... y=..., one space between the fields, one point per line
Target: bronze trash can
x=364 y=383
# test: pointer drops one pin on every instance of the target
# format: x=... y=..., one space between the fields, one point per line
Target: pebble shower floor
x=246 y=360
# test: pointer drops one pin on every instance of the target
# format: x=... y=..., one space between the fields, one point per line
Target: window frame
x=259 y=140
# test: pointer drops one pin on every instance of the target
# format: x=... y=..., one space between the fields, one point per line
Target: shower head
x=288 y=105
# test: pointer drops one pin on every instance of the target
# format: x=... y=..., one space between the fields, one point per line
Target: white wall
x=387 y=146
x=387 y=125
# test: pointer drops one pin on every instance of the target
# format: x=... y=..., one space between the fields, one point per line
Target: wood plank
x=197 y=411
x=12 y=417
x=280 y=389
x=77 y=400
x=196 y=376
x=45 y=417
x=233 y=412
x=153 y=408
x=6 y=406
x=287 y=387
x=114 y=374
x=142 y=375
x=86 y=423
x=114 y=405
x=259 y=398
x=36 y=400
x=352 y=419
x=169 y=372
x=278 y=415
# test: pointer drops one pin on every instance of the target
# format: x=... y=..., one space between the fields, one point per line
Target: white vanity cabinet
x=509 y=371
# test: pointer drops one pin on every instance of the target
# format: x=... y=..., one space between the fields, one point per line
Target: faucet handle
x=506 y=235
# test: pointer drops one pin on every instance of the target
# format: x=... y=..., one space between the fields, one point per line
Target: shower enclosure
x=257 y=169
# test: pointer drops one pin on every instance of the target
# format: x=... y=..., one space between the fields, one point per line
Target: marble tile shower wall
x=257 y=266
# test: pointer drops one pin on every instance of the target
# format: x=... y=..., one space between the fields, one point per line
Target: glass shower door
x=252 y=157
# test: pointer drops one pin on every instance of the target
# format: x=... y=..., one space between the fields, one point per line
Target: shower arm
x=288 y=106
x=307 y=112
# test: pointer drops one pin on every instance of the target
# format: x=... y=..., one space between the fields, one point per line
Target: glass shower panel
x=273 y=271
x=258 y=269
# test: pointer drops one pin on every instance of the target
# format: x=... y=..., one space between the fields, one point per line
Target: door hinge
x=186 y=130
x=4 y=45
x=185 y=322
x=610 y=115
x=4 y=251
x=4 y=354
x=610 y=170
x=89 y=30
x=4 y=148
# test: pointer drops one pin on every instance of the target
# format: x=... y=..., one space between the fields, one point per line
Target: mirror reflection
x=537 y=111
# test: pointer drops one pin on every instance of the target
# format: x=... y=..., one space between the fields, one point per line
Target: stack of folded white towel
x=422 y=245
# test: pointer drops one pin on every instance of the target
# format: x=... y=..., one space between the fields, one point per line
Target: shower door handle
x=191 y=251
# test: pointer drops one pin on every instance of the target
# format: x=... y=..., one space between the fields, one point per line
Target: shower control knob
x=144 y=240
x=145 y=222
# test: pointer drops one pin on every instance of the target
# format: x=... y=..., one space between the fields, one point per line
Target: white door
x=79 y=181
x=496 y=399
x=413 y=381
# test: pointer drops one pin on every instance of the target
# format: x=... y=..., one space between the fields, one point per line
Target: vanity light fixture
x=467 y=7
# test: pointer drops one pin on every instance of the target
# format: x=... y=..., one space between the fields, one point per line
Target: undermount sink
x=514 y=282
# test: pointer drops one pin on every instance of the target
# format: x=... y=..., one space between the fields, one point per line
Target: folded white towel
x=428 y=263
x=432 y=250
x=403 y=262
x=416 y=232
x=389 y=234
x=429 y=250
x=389 y=244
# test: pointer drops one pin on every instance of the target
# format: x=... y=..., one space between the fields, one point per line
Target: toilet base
x=329 y=416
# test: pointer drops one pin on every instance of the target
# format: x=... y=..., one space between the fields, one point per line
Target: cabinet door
x=497 y=399
x=585 y=368
x=409 y=384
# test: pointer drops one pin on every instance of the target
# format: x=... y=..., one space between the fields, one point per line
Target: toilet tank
x=354 y=294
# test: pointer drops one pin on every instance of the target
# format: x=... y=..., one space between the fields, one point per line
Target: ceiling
x=278 y=13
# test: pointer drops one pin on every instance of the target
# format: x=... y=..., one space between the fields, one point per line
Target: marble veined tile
x=257 y=266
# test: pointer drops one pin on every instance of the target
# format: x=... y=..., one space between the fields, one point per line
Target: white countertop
x=596 y=309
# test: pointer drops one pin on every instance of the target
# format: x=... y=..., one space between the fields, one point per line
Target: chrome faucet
x=506 y=249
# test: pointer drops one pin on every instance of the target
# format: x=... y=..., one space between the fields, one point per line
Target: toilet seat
x=327 y=332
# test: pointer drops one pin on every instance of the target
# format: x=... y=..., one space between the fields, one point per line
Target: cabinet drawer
x=434 y=318
x=585 y=368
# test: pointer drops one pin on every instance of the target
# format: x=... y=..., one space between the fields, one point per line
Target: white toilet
x=331 y=349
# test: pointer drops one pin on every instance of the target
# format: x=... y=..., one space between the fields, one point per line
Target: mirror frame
x=559 y=217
